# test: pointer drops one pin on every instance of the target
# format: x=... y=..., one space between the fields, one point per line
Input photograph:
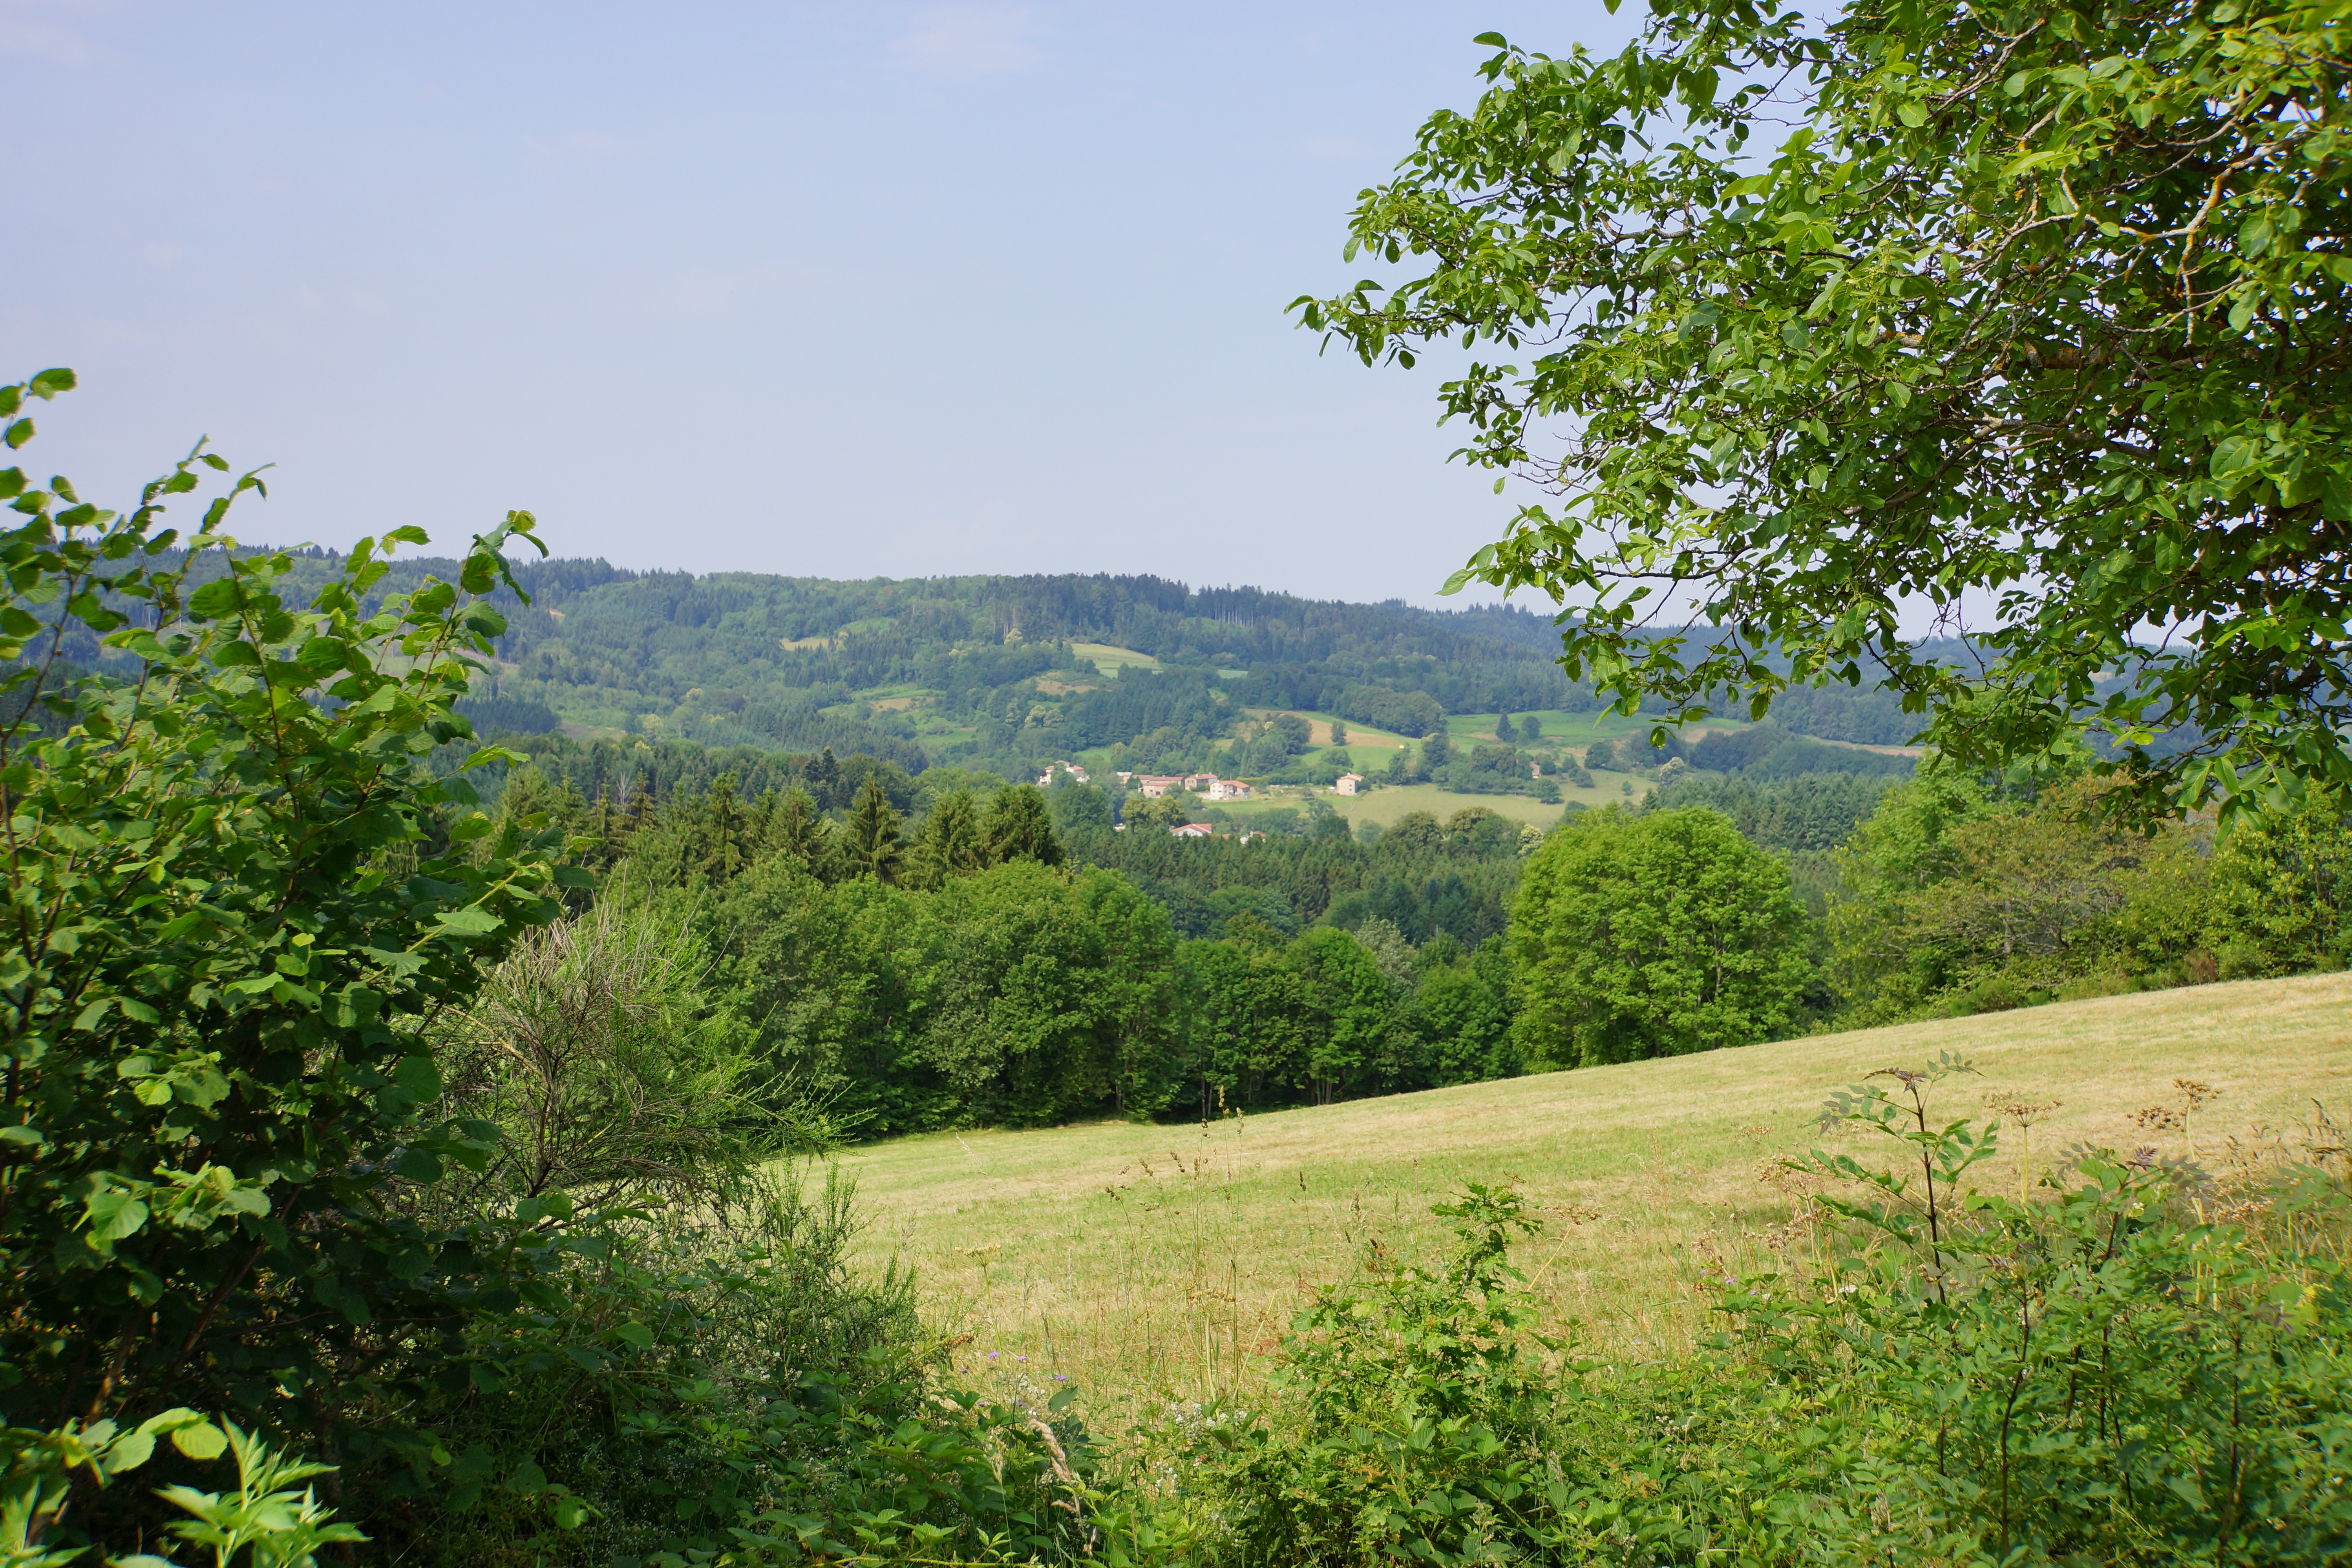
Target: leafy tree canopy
x=1809 y=319
x=1652 y=935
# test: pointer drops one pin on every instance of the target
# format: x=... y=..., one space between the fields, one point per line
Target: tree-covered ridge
x=997 y=671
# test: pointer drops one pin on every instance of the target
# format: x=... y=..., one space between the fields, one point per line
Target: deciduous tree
x=1809 y=314
x=1652 y=935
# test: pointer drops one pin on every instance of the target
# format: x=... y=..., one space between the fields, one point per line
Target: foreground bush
x=320 y=1116
x=2107 y=1373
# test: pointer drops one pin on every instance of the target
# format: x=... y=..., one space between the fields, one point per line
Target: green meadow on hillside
x=1146 y=1261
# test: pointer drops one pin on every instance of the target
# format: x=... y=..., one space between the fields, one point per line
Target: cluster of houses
x=1203 y=830
x=1153 y=785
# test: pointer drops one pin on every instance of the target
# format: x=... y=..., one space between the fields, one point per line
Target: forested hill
x=1004 y=671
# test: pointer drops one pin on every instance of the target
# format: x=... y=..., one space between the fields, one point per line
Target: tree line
x=947 y=949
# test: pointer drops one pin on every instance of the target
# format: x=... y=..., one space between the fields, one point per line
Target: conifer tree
x=950 y=843
x=726 y=848
x=876 y=848
x=824 y=773
x=641 y=807
x=796 y=832
x=1018 y=827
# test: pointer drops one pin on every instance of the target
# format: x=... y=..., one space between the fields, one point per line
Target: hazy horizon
x=821 y=291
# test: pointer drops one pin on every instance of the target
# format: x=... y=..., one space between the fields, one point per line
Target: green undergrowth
x=2136 y=1363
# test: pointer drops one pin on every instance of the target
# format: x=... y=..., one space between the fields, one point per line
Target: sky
x=839 y=291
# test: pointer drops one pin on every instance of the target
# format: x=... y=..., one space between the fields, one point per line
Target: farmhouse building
x=1228 y=789
x=1192 y=830
x=1350 y=783
x=1154 y=786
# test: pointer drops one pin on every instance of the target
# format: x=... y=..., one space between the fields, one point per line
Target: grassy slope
x=1110 y=659
x=1561 y=729
x=1149 y=1261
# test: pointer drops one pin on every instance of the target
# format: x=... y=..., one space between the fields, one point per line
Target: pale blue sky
x=837 y=289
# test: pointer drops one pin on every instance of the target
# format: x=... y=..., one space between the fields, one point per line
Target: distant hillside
x=986 y=671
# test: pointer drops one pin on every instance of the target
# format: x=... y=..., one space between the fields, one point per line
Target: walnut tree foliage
x=1804 y=319
x=238 y=898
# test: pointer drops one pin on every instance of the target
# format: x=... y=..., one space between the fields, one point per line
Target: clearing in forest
x=1110 y=658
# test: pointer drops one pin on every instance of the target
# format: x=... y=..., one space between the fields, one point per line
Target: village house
x=1046 y=779
x=1228 y=789
x=1192 y=830
x=1350 y=783
x=1154 y=786
x=1200 y=781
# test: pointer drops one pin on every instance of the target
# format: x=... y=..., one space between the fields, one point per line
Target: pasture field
x=1572 y=729
x=1388 y=802
x=1385 y=804
x=1360 y=737
x=1160 y=1262
x=1110 y=659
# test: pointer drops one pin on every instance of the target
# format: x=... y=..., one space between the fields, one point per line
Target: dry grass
x=1163 y=1261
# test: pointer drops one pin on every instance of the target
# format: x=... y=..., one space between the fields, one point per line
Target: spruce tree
x=950 y=843
x=1018 y=827
x=824 y=774
x=875 y=844
x=796 y=832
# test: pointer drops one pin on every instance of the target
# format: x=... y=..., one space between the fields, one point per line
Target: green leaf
x=200 y=1440
x=418 y=1077
x=2235 y=455
x=217 y=599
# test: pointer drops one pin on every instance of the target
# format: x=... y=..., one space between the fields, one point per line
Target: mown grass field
x=1149 y=1262
x=1385 y=806
x=1568 y=729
